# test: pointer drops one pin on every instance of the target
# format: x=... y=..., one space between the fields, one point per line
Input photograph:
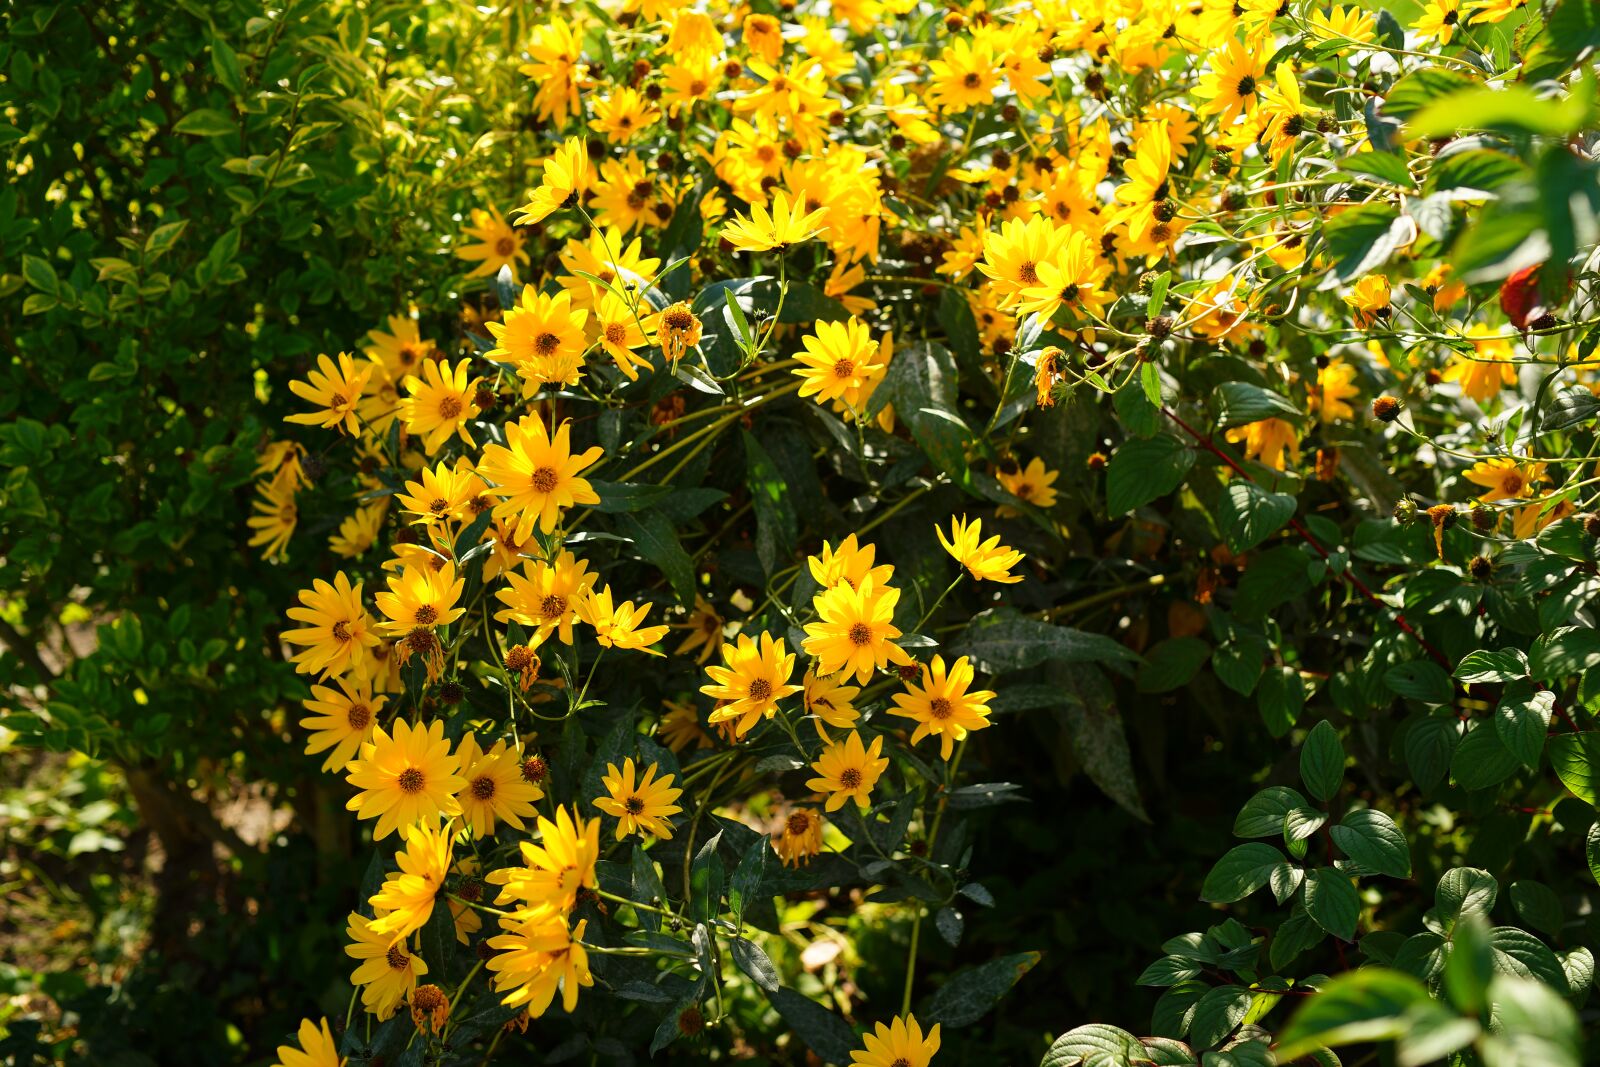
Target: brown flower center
x=861 y=634
x=844 y=368
x=483 y=787
x=396 y=957
x=358 y=716
x=553 y=606
x=850 y=778
x=544 y=480
x=449 y=407
x=411 y=780
x=971 y=81
x=799 y=822
x=635 y=805
x=427 y=615
x=1028 y=274
x=341 y=631
x=439 y=507
x=760 y=689
x=616 y=333
x=940 y=708
x=505 y=246
x=678 y=320
x=546 y=343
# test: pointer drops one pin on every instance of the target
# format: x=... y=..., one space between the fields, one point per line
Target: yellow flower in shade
x=677 y=331
x=536 y=475
x=1147 y=193
x=943 y=706
x=336 y=390
x=831 y=701
x=800 y=838
x=1438 y=21
x=1531 y=519
x=1335 y=387
x=495 y=789
x=1268 y=441
x=344 y=719
x=1232 y=84
x=838 y=358
x=689 y=82
x=787 y=223
x=639 y=808
x=1351 y=23
x=623 y=115
x=855 y=632
x=607 y=258
x=498 y=244
x=619 y=626
x=622 y=334
x=404 y=902
x=317 y=1048
x=276 y=516
x=705 y=631
x=755 y=679
x=336 y=626
x=964 y=76
x=850 y=563
x=544 y=336
x=546 y=595
x=421 y=596
x=680 y=728
x=402 y=350
x=1504 y=479
x=359 y=532
x=537 y=956
x=900 y=1044
x=405 y=778
x=1370 y=300
x=985 y=560
x=847 y=769
x=1032 y=484
x=388 y=971
x=566 y=174
x=439 y=403
x=442 y=495
x=555 y=869
x=1489 y=369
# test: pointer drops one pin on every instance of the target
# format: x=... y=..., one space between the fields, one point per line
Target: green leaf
x=1371 y=838
x=1480 y=760
x=617 y=497
x=1383 y=165
x=1095 y=1045
x=1001 y=640
x=969 y=995
x=1568 y=651
x=1429 y=745
x=821 y=1031
x=1322 y=761
x=1240 y=402
x=1363 y=1006
x=1422 y=680
x=1264 y=813
x=921 y=385
x=1465 y=891
x=747 y=876
x=754 y=962
x=1218 y=1012
x=1296 y=934
x=1485 y=666
x=1523 y=720
x=1537 y=905
x=1248 y=514
x=1477 y=168
x=1517 y=952
x=225 y=62
x=1535 y=1026
x=652 y=534
x=1573 y=756
x=1171 y=664
x=1516 y=109
x=1144 y=470
x=1332 y=902
x=40 y=274
x=1238 y=663
x=1362 y=238
x=1591 y=851
x=1422 y=87
x=1240 y=872
x=1099 y=738
x=207 y=122
x=777 y=522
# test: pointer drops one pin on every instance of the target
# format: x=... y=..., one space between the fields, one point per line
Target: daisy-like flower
x=964 y=76
x=405 y=778
x=640 y=808
x=622 y=334
x=358 y=532
x=537 y=956
x=344 y=719
x=838 y=359
x=544 y=336
x=1232 y=85
x=1284 y=112
x=497 y=244
x=1335 y=387
x=623 y=115
x=851 y=563
x=1488 y=370
x=388 y=971
x=680 y=728
x=555 y=869
x=855 y=631
x=1369 y=298
x=440 y=403
x=1032 y=484
x=900 y=1044
x=421 y=596
x=537 y=476
x=566 y=175
x=1344 y=23
x=1011 y=258
x=336 y=390
x=400 y=351
x=800 y=838
x=496 y=790
x=847 y=769
x=832 y=701
x=1268 y=441
x=677 y=331
x=1438 y=21
x=442 y=495
x=276 y=516
x=763 y=35
x=404 y=902
x=1147 y=194
x=546 y=595
x=705 y=631
x=619 y=626
x=336 y=626
x=1071 y=279
x=755 y=678
x=787 y=223
x=1503 y=478
x=317 y=1048
x=985 y=560
x=942 y=705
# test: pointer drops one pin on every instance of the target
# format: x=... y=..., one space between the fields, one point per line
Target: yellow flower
x=621 y=334
x=404 y=902
x=623 y=115
x=688 y=82
x=900 y=1044
x=499 y=245
x=546 y=595
x=607 y=257
x=536 y=956
x=317 y=1048
x=443 y=494
x=838 y=358
x=705 y=631
x=537 y=476
x=943 y=706
x=1504 y=479
x=1335 y=386
x=1532 y=518
x=1338 y=22
x=1070 y=279
x=440 y=403
x=401 y=351
x=336 y=389
x=763 y=35
x=619 y=626
x=544 y=336
x=831 y=701
x=406 y=778
x=421 y=596
x=1438 y=21
x=680 y=728
x=800 y=838
x=554 y=870
x=1049 y=370
x=964 y=76
x=788 y=223
x=336 y=626
x=1011 y=258
x=1231 y=85
x=345 y=718
x=1370 y=299
x=359 y=532
x=1283 y=111
x=388 y=971
x=855 y=631
x=1031 y=484
x=850 y=563
x=640 y=809
x=985 y=560
x=755 y=679
x=677 y=330
x=1489 y=369
x=495 y=789
x=846 y=769
x=566 y=175
x=275 y=518
x=1267 y=441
